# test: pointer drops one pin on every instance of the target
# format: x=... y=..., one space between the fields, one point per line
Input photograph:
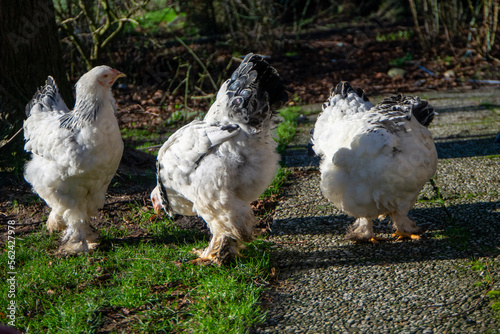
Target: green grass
x=286 y=130
x=183 y=116
x=494 y=296
x=140 y=138
x=400 y=35
x=139 y=134
x=492 y=157
x=276 y=186
x=457 y=236
x=147 y=283
x=398 y=62
x=488 y=276
x=156 y=21
x=482 y=267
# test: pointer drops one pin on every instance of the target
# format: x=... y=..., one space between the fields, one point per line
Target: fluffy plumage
x=74 y=153
x=214 y=168
x=375 y=159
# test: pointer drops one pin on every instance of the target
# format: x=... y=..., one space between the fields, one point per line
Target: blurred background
x=177 y=53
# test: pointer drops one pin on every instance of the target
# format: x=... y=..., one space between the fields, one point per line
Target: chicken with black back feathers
x=214 y=168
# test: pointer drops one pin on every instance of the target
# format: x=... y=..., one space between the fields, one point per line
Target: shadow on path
x=459 y=231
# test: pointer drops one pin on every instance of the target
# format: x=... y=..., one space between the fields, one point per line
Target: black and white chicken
x=74 y=153
x=375 y=159
x=214 y=168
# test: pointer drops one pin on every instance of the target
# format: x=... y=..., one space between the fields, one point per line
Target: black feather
x=85 y=112
x=161 y=187
x=47 y=96
x=310 y=144
x=420 y=109
x=344 y=88
x=255 y=91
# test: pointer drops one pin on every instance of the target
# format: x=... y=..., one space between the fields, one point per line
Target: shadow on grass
x=183 y=230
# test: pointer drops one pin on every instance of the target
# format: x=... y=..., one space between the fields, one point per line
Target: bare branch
x=4 y=143
x=191 y=52
x=72 y=19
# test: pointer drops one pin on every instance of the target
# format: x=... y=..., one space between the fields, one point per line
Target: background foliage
x=184 y=49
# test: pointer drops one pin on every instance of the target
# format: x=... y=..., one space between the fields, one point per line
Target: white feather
x=71 y=167
x=214 y=168
x=374 y=161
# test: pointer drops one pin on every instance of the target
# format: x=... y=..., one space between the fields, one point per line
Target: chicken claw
x=406 y=235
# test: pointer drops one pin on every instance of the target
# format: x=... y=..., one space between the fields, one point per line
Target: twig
x=186 y=88
x=118 y=29
x=447 y=34
x=204 y=97
x=417 y=26
x=471 y=308
x=72 y=19
x=179 y=86
x=151 y=148
x=191 y=52
x=99 y=26
x=10 y=139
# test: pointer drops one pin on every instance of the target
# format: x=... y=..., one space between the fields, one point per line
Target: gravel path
x=326 y=284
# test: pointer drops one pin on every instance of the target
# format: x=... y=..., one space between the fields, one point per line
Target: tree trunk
x=29 y=51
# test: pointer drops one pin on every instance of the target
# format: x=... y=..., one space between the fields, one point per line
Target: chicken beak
x=157 y=210
x=116 y=75
x=119 y=74
x=156 y=206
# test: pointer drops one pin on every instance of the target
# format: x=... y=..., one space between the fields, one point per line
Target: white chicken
x=74 y=153
x=375 y=159
x=214 y=168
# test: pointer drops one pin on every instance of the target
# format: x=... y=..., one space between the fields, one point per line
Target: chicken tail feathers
x=162 y=189
x=46 y=99
x=255 y=90
x=420 y=109
x=344 y=88
x=345 y=100
x=423 y=112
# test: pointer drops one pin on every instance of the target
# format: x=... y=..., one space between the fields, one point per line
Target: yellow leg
x=376 y=240
x=406 y=235
x=202 y=260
